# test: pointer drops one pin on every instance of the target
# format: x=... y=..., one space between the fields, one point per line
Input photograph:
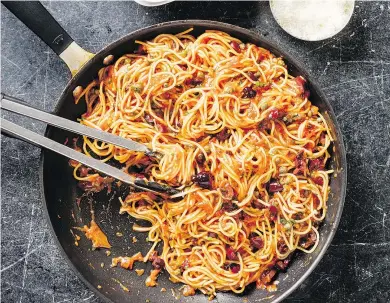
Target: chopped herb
x=137 y=87
x=260 y=84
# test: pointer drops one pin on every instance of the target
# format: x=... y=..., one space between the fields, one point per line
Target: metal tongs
x=20 y=107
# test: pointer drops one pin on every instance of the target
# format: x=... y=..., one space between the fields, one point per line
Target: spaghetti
x=237 y=133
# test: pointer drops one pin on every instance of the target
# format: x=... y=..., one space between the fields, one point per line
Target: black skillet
x=60 y=191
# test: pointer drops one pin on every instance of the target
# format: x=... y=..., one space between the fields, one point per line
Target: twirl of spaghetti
x=237 y=133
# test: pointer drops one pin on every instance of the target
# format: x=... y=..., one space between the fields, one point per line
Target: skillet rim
x=269 y=44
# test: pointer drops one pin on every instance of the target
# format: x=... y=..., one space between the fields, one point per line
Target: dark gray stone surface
x=353 y=68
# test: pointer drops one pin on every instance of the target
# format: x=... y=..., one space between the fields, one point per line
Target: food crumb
x=147 y=300
x=245 y=300
x=119 y=234
x=102 y=265
x=140 y=272
x=134 y=240
x=188 y=291
x=163 y=289
x=78 y=237
x=121 y=285
x=76 y=243
x=108 y=253
x=99 y=286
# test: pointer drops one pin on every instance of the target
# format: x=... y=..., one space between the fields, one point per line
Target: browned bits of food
x=273 y=212
x=223 y=134
x=300 y=164
x=203 y=179
x=283 y=264
x=188 y=291
x=77 y=91
x=253 y=76
x=316 y=164
x=275 y=187
x=140 y=272
x=257 y=204
x=257 y=242
x=248 y=92
x=302 y=83
x=127 y=262
x=141 y=50
x=227 y=191
x=318 y=180
x=235 y=268
x=194 y=81
x=268 y=276
x=308 y=240
x=212 y=234
x=108 y=60
x=158 y=263
x=96 y=235
x=231 y=254
x=200 y=158
x=151 y=281
x=97 y=184
x=274 y=114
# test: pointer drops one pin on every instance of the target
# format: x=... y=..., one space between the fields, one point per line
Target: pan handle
x=35 y=16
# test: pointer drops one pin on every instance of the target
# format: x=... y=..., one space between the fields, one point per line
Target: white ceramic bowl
x=153 y=2
x=312 y=20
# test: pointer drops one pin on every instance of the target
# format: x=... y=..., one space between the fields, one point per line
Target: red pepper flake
x=302 y=85
x=318 y=180
x=235 y=46
x=273 y=213
x=235 y=268
x=275 y=187
x=316 y=164
x=273 y=209
x=256 y=242
x=223 y=134
x=300 y=164
x=316 y=201
x=66 y=141
x=231 y=254
x=274 y=114
x=193 y=81
x=262 y=89
x=253 y=76
x=161 y=128
x=141 y=50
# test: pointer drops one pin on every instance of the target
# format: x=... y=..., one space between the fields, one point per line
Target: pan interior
x=60 y=191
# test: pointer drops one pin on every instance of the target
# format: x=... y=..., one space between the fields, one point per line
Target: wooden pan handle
x=35 y=16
